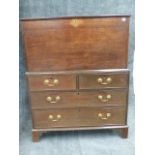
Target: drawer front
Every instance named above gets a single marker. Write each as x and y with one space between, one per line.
55 118
58 44
78 117
52 82
103 98
40 100
99 81
102 116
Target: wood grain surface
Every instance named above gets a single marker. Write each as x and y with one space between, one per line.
78 117
68 44
83 99
65 82
90 81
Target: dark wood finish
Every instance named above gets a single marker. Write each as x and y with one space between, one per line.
82 128
89 116
91 81
64 59
121 127
124 132
79 72
75 117
59 45
77 17
35 136
73 99
66 23
66 82
41 118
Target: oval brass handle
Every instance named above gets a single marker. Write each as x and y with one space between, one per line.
104 81
104 98
52 99
104 116
56 118
51 82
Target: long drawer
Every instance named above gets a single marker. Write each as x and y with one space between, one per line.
50 99
78 117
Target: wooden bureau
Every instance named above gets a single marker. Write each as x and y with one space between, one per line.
77 73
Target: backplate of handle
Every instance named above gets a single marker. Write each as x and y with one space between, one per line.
53 99
54 118
105 98
104 80
104 116
51 82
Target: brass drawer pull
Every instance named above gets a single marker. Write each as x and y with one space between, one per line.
52 99
104 116
104 98
51 82
104 81
54 119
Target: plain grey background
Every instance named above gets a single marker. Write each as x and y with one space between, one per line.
76 142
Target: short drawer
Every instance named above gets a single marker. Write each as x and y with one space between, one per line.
50 99
51 82
99 81
78 117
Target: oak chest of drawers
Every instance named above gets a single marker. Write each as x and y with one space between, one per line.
77 73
